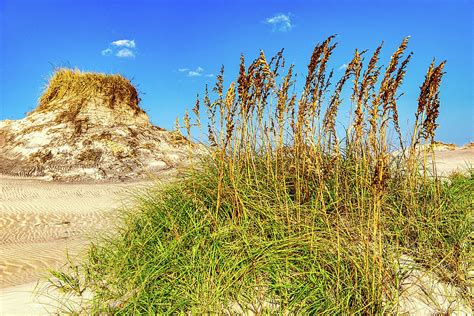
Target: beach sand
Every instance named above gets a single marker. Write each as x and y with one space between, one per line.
41 222
458 160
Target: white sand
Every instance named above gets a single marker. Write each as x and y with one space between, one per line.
459 160
21 300
40 222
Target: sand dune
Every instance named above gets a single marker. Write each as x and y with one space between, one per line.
457 160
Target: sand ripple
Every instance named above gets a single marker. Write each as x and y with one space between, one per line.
42 221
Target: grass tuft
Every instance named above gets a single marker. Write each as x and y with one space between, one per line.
76 87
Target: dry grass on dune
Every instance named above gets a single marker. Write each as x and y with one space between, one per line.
75 84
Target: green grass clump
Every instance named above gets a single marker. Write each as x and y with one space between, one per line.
284 217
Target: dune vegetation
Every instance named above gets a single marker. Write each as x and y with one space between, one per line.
285 216
76 85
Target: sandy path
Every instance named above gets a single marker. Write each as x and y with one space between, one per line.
42 221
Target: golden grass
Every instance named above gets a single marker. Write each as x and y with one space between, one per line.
78 86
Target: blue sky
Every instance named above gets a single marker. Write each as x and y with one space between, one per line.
171 49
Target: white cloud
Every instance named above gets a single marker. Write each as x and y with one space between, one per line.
280 22
124 43
343 66
123 48
106 52
125 53
210 75
193 73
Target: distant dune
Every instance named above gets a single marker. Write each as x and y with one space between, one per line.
450 158
89 126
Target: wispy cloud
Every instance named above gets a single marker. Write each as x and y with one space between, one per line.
123 48
106 52
125 53
193 73
280 22
343 66
198 72
124 43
